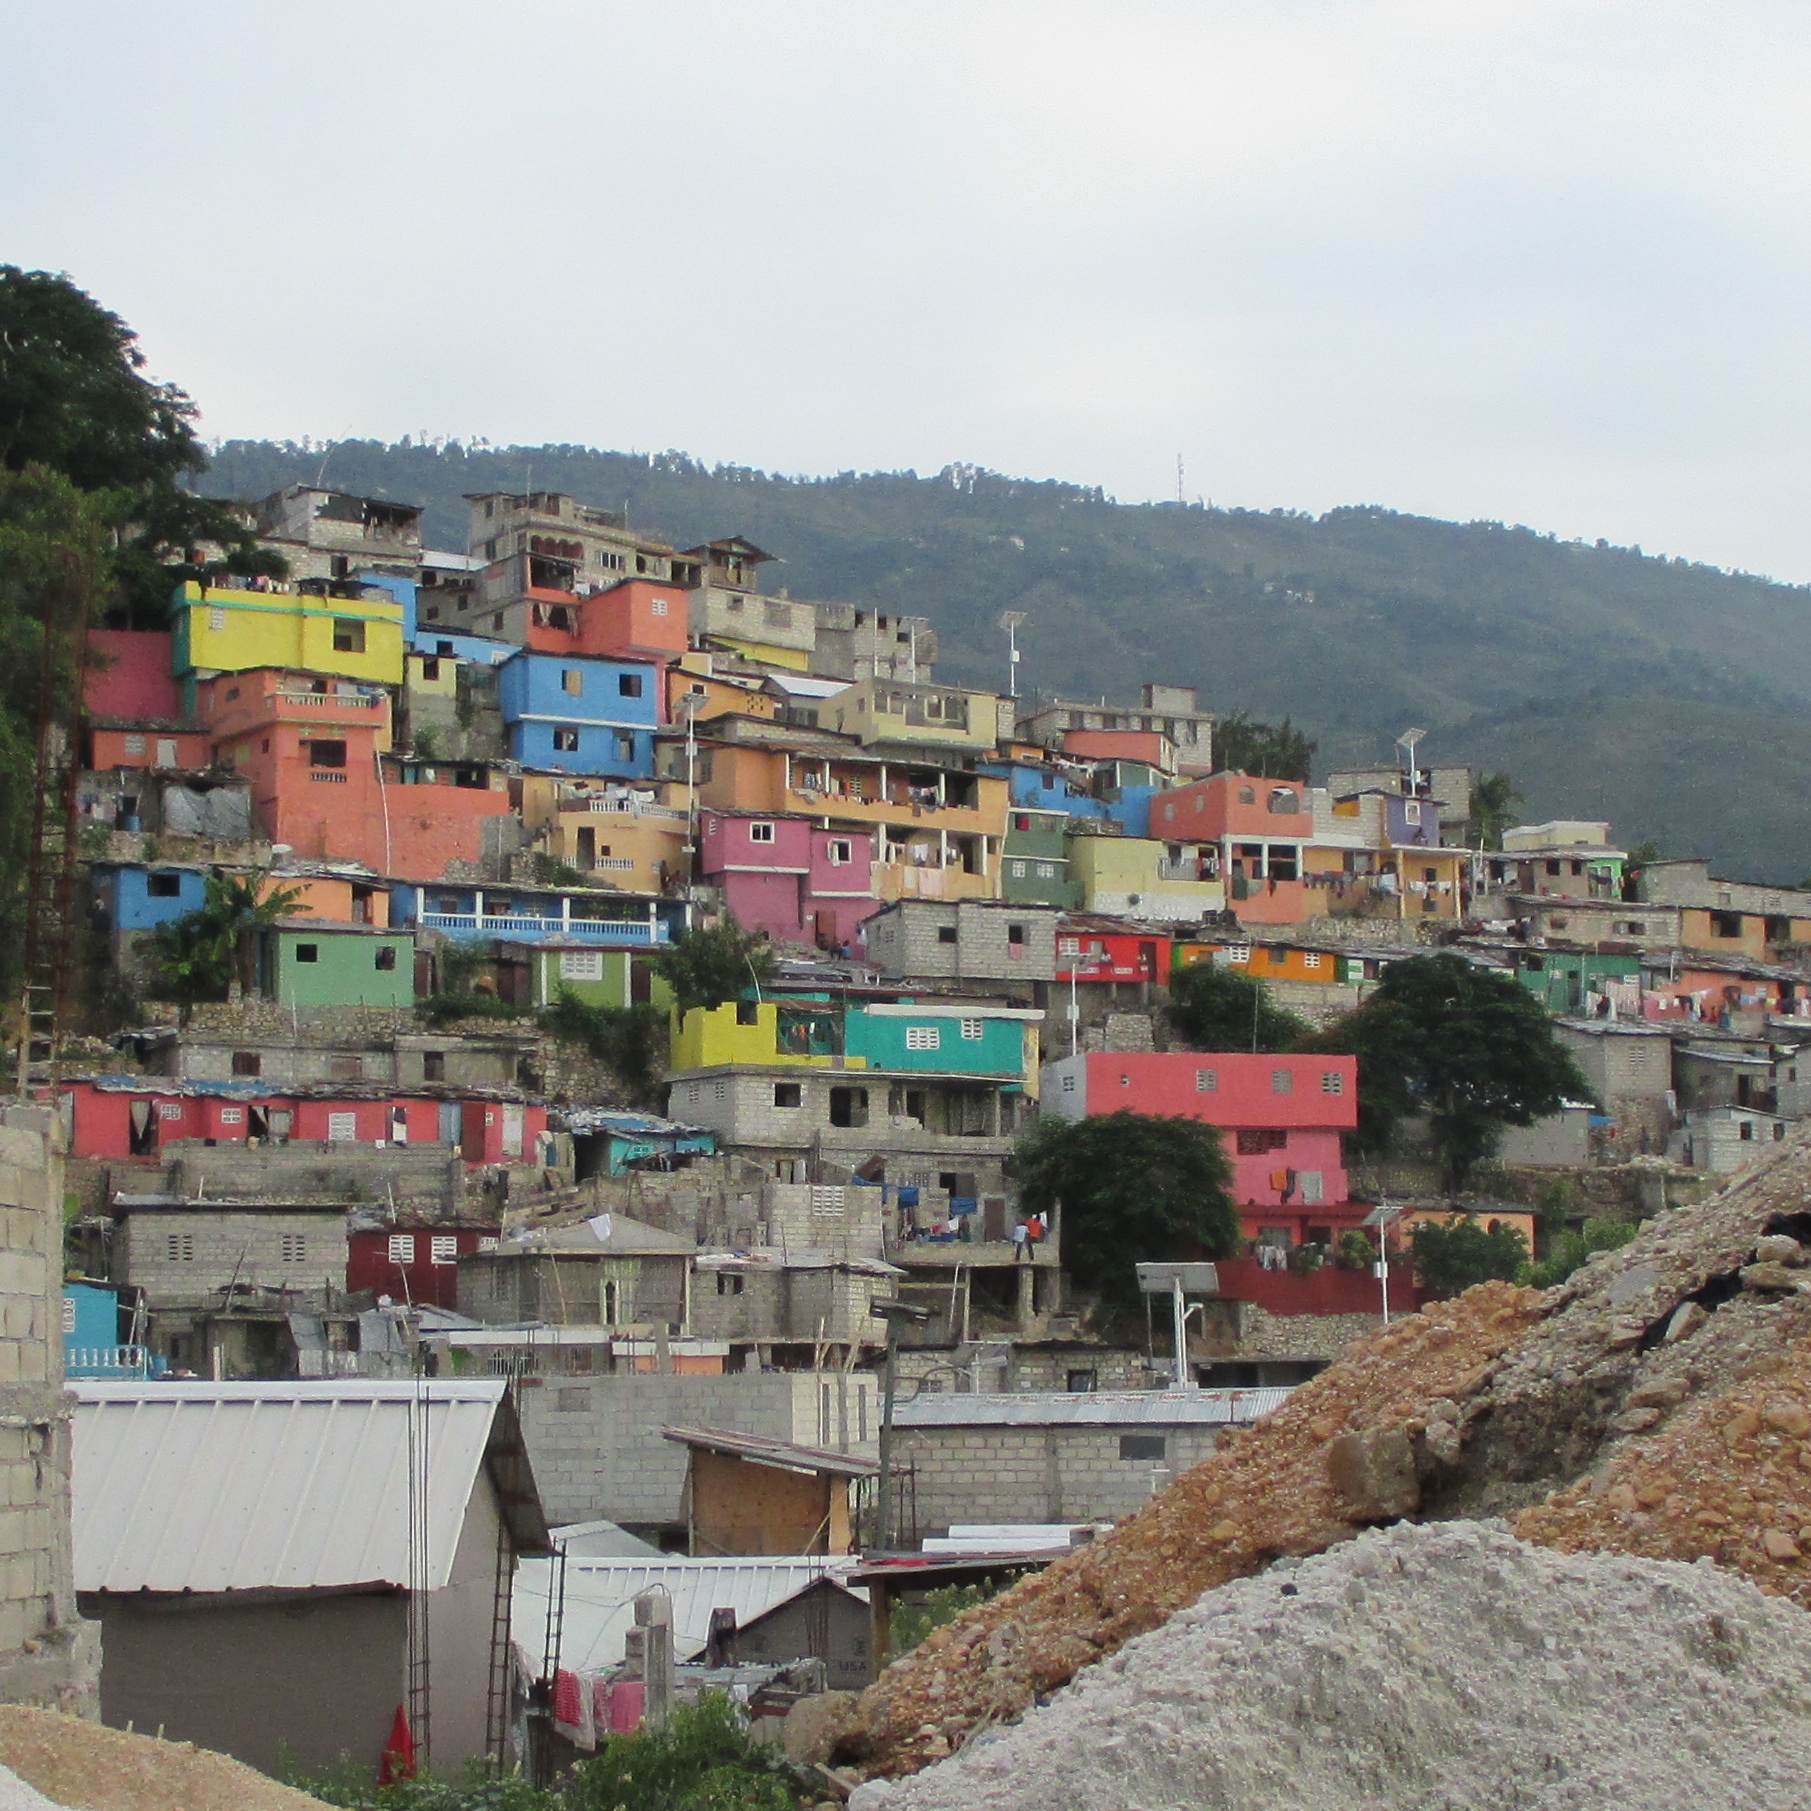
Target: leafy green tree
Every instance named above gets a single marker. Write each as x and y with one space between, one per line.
630 1041
1492 809
199 956
1216 1008
1570 1249
1450 1258
74 399
714 964
1273 751
1133 1187
1470 1048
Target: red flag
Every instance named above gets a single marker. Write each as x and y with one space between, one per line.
399 1752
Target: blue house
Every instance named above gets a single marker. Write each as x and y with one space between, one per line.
532 914
128 896
955 1039
95 1344
569 713
1046 788
455 644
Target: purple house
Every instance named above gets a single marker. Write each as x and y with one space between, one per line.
789 877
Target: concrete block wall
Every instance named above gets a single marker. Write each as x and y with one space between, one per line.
48 1654
596 1443
420 1174
298 1251
1033 1474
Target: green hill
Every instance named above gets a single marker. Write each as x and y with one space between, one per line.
1673 698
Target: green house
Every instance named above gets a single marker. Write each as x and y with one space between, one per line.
599 977
1034 862
1560 979
314 962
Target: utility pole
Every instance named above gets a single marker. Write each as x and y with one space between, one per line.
894 1313
1010 621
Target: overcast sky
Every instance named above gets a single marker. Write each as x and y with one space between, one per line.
1538 260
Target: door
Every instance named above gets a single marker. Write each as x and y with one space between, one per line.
449 1122
166 751
587 847
512 1131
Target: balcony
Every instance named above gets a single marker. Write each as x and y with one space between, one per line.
333 701
516 929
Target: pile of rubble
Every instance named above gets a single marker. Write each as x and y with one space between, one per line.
1650 1404
1447 1667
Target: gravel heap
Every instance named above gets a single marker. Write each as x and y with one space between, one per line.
89 1767
1442 1667
1267 1492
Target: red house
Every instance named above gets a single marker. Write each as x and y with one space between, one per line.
413 1261
1280 1117
1095 949
636 619
130 675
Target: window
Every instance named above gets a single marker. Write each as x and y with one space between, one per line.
788 1095
1068 946
924 1037
1726 924
841 854
1207 1081
1411 812
657 606
164 886
345 1068
386 958
430 668
247 1062
572 681
1018 870
308 952
946 933
135 745
401 1249
565 739
629 684
292 1248
1068 1084
1277 957
1255 1141
443 1248
342 1128
1142 1446
971 1031
1247 796
232 1116
326 754
1332 1082
179 1247
1311 1186
433 1065
1015 942
1125 1081
581 965
760 833
1046 870
1311 959
625 747
730 1282
348 635
848 1106
1282 1081
1082 1383
216 618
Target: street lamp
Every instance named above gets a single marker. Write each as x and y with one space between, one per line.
895 1314
1383 1217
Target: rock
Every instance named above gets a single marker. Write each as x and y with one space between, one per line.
1660 1393
1626 1332
1743 1425
1443 1443
815 1725
1769 1278
1688 1317
1620 1497
1373 1473
1788 1417
1222 1532
1443 1408
1634 1421
1779 1248
1638 1279
1779 1546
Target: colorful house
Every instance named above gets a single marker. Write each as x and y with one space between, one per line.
135 743
305 962
1281 1119
622 835
1109 951
636 619
900 714
236 631
1139 877
1034 859
573 714
595 976
535 914
790 876
412 1261
129 675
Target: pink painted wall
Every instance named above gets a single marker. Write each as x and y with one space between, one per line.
130 675
1324 1291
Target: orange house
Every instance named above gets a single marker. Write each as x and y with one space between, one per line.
635 619
141 745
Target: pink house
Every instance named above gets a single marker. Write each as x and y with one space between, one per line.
1280 1117
130 676
789 877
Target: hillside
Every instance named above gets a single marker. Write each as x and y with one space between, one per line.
1609 682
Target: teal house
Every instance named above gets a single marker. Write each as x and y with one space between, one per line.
311 962
939 1039
1560 979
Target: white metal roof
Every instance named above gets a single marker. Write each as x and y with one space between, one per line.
269 1486
601 1593
1089 1408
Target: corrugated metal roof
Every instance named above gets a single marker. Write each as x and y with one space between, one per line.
1102 1408
774 1452
269 1486
601 1593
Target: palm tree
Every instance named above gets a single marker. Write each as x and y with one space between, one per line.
1493 802
200 956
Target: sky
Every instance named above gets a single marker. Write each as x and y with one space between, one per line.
1539 261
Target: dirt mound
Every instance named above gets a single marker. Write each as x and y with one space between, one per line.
92 1768
1628 1409
1270 1491
1447 1667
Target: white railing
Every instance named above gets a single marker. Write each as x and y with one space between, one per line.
588 930
106 1361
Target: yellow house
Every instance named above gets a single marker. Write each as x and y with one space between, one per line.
927 716
238 631
793 659
753 1032
1131 877
638 847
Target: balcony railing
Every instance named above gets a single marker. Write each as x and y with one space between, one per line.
327 777
106 1361
529 930
334 701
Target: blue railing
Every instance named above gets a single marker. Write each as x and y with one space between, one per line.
532 930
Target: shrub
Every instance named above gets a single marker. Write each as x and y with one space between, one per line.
1451 1258
704 1760
1570 1250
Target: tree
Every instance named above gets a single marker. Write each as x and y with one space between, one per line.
709 966
1570 1249
1491 810
1275 752
74 399
1471 1048
1132 1187
200 955
1450 1258
1217 1008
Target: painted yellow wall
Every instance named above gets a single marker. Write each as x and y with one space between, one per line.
236 631
707 1036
